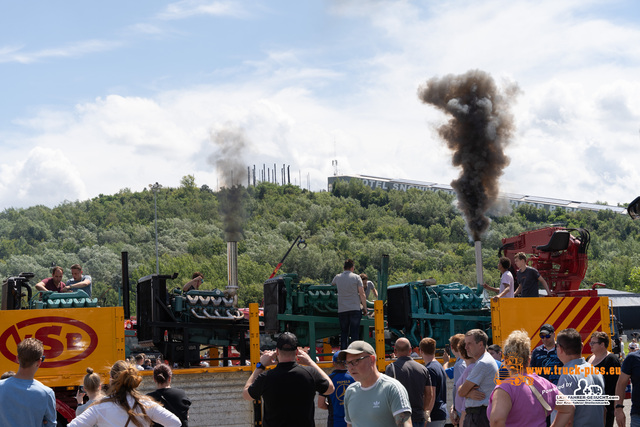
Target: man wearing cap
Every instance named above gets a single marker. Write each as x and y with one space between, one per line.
288 390
545 356
350 296
334 402
416 379
374 400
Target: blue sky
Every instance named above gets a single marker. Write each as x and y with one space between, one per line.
100 96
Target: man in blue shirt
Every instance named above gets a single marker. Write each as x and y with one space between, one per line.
27 402
545 356
334 402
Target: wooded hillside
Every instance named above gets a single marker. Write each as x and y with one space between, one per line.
422 232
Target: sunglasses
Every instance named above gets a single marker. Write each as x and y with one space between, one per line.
545 336
355 362
42 358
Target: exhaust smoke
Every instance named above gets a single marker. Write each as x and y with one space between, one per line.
480 127
229 162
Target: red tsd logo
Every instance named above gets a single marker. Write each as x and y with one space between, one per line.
53 339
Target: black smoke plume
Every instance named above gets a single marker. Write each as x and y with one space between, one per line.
481 125
229 162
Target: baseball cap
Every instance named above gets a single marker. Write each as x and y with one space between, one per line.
547 329
336 357
287 342
356 347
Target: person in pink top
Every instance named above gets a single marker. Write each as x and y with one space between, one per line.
525 399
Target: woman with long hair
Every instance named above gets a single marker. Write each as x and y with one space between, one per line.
92 388
124 405
173 399
525 398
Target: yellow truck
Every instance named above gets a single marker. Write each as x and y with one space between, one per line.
585 314
74 339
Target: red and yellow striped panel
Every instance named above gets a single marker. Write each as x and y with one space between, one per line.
585 314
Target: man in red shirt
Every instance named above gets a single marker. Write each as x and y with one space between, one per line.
53 283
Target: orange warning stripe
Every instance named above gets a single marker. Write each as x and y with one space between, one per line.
580 313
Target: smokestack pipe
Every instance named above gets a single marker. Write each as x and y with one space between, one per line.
232 271
125 285
479 279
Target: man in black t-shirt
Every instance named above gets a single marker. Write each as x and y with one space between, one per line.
438 376
528 278
288 391
630 371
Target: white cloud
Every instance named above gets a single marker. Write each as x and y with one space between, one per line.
577 118
74 49
46 176
188 8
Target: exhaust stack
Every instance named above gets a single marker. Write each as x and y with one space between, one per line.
479 278
232 271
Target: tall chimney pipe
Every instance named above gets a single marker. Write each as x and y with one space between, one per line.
478 245
232 271
126 287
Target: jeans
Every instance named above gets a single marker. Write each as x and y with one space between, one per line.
439 423
635 420
349 326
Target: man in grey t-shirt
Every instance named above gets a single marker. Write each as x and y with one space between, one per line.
579 378
79 281
481 381
374 400
350 296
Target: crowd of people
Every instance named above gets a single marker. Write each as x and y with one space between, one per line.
508 385
512 385
493 385
27 402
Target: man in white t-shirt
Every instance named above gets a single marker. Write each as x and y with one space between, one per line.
506 280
